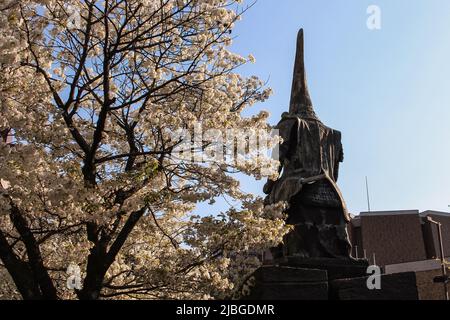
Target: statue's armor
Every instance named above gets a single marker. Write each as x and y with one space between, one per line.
320 194
309 156
309 149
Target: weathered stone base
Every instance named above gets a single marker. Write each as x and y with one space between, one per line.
334 279
399 286
288 283
336 268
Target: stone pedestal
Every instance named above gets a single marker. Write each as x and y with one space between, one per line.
336 268
333 279
289 283
399 286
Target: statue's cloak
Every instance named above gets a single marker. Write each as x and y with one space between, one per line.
310 153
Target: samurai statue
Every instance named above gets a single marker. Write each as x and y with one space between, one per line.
309 156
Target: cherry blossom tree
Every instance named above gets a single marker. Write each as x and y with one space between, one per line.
92 93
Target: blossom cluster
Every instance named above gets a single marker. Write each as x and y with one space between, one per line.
94 94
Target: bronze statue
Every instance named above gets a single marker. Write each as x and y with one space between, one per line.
309 155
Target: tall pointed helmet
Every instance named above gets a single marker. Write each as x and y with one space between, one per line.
301 104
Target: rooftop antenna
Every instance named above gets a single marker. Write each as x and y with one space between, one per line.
367 192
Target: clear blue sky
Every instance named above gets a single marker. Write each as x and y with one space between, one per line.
388 91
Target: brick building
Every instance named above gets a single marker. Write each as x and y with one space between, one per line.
400 240
404 242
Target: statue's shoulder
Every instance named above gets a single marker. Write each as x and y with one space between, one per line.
288 119
332 131
334 135
337 133
285 116
287 123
